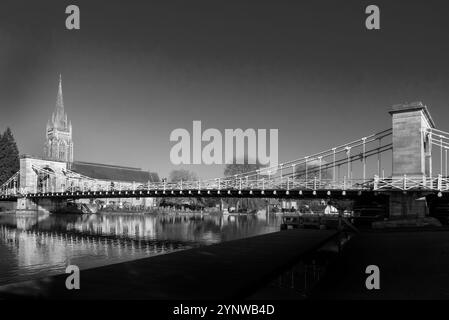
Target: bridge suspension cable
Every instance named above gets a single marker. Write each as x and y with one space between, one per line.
12 184
440 139
332 153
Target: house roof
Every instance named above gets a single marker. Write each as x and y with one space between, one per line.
113 172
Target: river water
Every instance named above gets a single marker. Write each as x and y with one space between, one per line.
34 246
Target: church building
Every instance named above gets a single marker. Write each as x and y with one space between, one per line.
59 144
58 149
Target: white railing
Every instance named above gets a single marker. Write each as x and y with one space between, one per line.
406 183
219 184
403 183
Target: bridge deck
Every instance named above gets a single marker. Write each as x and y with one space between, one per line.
231 269
231 193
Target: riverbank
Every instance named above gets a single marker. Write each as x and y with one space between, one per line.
413 261
413 264
232 269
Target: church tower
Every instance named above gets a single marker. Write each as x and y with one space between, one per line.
59 144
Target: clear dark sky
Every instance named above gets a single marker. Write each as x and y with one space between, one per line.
139 69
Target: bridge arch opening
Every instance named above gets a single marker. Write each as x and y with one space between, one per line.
46 180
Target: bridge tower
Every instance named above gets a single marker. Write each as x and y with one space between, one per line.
411 155
32 181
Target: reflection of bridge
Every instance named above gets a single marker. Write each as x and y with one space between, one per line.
349 170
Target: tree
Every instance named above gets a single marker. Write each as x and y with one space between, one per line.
245 204
315 169
234 168
182 175
9 156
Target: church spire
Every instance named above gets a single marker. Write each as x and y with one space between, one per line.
59 100
59 118
59 144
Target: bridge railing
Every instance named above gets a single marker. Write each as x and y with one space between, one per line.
230 184
405 183
216 184
261 184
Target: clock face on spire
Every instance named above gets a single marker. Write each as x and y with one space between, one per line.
59 144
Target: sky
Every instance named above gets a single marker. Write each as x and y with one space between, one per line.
137 70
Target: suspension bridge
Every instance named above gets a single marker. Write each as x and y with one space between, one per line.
405 161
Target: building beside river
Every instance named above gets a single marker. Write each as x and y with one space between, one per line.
48 172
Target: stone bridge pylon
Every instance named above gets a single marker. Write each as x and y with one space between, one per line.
411 156
40 175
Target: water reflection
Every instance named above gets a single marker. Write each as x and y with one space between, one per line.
36 246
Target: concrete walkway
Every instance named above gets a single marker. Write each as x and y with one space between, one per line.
231 269
413 265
